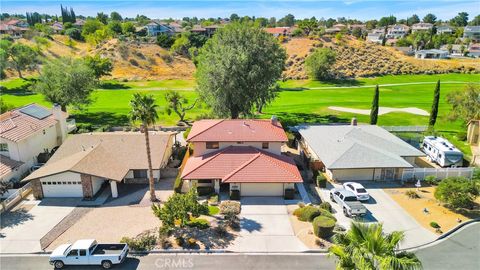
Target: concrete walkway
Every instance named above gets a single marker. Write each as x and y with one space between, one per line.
22 230
266 227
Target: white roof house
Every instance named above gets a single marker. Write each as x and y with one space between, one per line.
431 54
363 152
472 32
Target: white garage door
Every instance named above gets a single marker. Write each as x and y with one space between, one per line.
61 189
261 189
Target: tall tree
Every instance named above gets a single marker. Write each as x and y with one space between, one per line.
67 81
238 68
144 110
115 16
374 109
460 20
101 66
102 17
434 111
366 246
21 57
430 18
386 21
178 104
465 103
319 63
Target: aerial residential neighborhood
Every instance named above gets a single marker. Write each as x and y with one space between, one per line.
240 135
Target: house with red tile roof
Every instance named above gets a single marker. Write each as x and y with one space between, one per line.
240 155
25 133
279 31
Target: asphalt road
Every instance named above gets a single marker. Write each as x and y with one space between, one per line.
186 261
459 251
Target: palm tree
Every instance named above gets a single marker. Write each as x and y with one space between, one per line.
367 247
144 109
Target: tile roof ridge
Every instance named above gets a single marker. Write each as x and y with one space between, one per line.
257 155
207 160
203 131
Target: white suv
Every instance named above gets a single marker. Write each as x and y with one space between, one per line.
358 190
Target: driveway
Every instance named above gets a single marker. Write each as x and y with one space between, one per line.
24 226
383 209
265 227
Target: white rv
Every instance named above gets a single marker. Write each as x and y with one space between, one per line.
442 152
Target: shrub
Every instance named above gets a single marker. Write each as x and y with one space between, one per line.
177 186
221 230
192 242
457 192
133 62
289 194
321 180
179 240
323 226
434 225
230 208
326 205
235 195
213 210
412 194
461 136
326 213
204 191
308 213
213 199
431 180
319 63
301 204
140 243
200 223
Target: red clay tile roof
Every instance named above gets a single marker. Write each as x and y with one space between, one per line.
242 164
237 130
16 126
7 165
278 30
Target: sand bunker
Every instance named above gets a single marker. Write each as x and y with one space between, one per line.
382 110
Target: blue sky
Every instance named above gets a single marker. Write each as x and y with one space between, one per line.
359 9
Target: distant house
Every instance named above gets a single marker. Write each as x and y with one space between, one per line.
445 29
211 29
375 38
154 28
197 28
397 31
474 50
333 30
17 23
14 28
279 31
79 23
340 26
431 54
87 161
421 27
57 27
363 27
27 132
356 152
472 32
406 50
456 49
240 155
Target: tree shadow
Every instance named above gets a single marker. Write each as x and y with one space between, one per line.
345 82
250 225
113 85
100 119
292 119
14 218
21 90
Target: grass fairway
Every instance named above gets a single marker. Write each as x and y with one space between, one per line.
295 103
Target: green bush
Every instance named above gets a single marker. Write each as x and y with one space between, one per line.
434 225
326 213
323 226
213 210
204 191
140 243
289 194
321 180
458 192
200 223
326 205
412 194
432 180
192 242
213 199
461 136
308 213
235 195
319 63
177 186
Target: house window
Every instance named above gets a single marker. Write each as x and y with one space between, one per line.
265 145
213 145
239 142
3 147
140 174
204 181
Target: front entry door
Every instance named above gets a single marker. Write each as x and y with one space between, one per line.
388 174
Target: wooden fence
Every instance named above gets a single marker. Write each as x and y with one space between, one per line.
439 173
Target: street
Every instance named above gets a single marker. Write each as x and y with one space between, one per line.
190 261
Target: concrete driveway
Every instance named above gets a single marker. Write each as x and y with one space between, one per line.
23 227
265 227
383 209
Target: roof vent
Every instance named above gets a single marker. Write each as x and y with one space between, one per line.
354 121
274 119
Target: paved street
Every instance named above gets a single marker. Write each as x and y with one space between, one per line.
459 251
266 227
197 262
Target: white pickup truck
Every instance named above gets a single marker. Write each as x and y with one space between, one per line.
348 201
88 252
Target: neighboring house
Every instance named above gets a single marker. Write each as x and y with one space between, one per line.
351 152
421 27
198 29
238 154
363 27
211 29
375 38
14 28
474 50
17 23
340 26
79 23
333 30
154 28
431 54
25 133
397 31
473 132
472 32
57 27
85 162
445 29
406 50
456 49
279 31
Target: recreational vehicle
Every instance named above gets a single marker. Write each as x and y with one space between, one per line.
442 152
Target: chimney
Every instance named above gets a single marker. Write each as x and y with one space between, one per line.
354 121
62 122
274 120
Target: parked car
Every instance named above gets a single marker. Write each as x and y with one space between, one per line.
358 190
36 167
89 252
350 204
